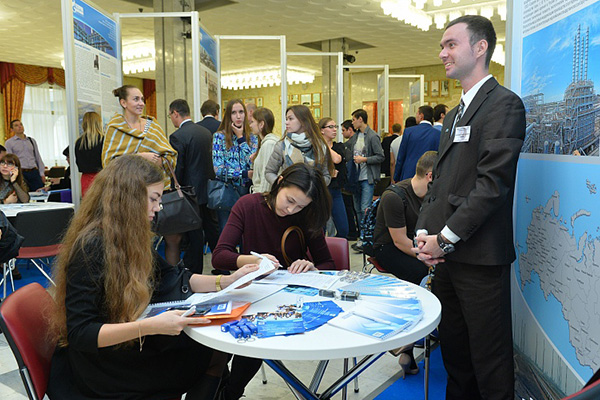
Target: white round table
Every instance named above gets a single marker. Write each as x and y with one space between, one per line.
324 343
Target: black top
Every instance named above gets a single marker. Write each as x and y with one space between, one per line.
394 213
89 160
386 144
167 366
342 177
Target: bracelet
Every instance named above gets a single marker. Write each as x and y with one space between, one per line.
218 283
142 340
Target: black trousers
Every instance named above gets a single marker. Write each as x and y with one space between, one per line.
351 214
476 330
401 265
193 257
33 180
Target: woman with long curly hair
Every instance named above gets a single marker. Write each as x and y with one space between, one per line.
233 144
302 143
106 275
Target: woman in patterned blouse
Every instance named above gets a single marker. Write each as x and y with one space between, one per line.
233 144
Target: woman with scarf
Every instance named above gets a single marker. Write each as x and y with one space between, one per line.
302 143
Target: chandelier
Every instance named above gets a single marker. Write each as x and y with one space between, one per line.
263 77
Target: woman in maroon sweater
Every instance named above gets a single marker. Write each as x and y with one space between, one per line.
258 221
299 197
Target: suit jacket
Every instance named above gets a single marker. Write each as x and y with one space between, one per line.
416 141
194 157
473 182
210 123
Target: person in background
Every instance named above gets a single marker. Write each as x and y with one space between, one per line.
416 140
410 121
262 123
233 144
135 133
60 183
26 149
2 151
250 108
210 116
106 275
194 168
88 149
439 113
368 156
348 189
299 198
337 152
302 143
394 144
13 188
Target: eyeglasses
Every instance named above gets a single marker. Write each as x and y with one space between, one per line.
331 126
7 164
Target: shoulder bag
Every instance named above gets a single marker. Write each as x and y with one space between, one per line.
284 237
180 211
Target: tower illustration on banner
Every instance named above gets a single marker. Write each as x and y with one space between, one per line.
566 126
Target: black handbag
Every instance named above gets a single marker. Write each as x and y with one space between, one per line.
180 211
222 195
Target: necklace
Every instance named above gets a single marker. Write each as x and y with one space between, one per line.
132 127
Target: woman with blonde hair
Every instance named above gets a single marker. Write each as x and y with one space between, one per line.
302 143
262 123
88 149
233 144
106 275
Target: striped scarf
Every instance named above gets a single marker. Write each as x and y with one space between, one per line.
121 139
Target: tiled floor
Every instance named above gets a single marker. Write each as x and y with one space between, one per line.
372 382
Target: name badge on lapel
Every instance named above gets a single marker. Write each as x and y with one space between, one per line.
462 134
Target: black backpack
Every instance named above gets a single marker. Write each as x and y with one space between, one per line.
10 242
368 222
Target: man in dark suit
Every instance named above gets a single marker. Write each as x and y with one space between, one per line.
194 168
210 114
466 217
416 141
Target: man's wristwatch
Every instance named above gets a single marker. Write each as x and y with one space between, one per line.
446 247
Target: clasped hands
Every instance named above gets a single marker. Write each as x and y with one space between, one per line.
428 250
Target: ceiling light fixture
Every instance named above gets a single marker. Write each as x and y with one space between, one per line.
263 77
138 56
423 13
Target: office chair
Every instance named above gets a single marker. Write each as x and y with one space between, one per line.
25 324
43 231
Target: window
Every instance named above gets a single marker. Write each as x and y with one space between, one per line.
45 119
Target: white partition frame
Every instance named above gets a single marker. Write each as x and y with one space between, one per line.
421 79
195 46
340 82
386 92
283 61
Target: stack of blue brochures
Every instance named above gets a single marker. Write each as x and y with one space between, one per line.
380 317
379 285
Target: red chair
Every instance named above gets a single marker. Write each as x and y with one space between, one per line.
43 231
338 247
374 265
589 392
24 319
